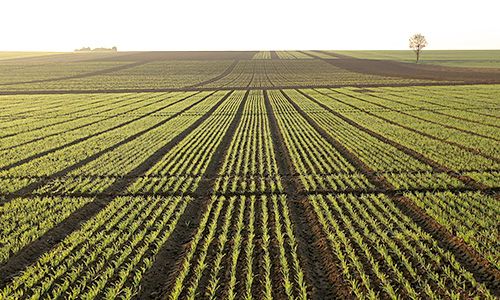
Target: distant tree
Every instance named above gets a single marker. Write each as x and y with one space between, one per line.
417 43
114 49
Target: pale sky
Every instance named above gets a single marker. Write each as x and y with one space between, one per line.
63 25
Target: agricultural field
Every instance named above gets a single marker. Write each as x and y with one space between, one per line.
18 54
246 175
450 58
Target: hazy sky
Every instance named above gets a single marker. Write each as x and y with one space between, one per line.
63 25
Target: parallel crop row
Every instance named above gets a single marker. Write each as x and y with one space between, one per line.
451 156
244 248
435 126
472 216
22 220
400 169
97 136
317 162
106 257
250 164
182 168
381 253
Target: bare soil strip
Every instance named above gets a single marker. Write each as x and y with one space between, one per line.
83 75
473 261
471 150
437 167
33 251
220 76
159 279
320 271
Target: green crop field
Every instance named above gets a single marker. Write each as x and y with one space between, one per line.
252 175
451 58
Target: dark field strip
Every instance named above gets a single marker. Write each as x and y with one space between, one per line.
475 263
33 251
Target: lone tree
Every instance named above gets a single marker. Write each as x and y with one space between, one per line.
417 43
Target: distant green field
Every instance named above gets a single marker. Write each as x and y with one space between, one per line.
22 54
454 58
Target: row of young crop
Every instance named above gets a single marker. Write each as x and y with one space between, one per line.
451 156
381 253
401 170
262 55
182 168
244 248
250 164
24 72
191 156
472 216
151 75
16 106
440 128
63 156
292 55
319 165
61 128
47 113
179 171
22 220
106 127
106 257
294 72
412 104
